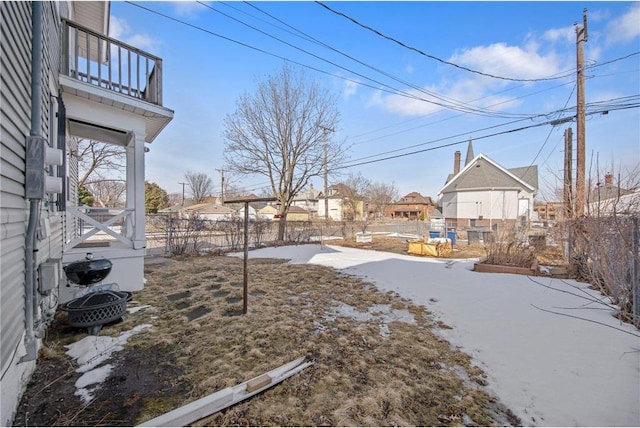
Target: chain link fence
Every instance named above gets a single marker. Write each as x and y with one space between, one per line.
173 235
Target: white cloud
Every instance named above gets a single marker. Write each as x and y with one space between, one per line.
625 28
117 27
509 61
465 91
409 69
121 30
188 9
349 90
144 42
562 35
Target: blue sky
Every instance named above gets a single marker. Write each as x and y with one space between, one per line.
204 75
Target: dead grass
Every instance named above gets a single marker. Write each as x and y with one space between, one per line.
361 376
400 246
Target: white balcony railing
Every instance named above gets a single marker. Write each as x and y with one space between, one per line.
110 223
111 64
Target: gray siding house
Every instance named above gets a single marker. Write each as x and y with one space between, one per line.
483 194
64 79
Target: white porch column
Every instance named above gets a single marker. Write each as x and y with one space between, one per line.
135 188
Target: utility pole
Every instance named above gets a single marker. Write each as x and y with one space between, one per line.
326 130
581 38
568 182
221 184
183 184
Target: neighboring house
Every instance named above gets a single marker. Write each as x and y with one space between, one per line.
208 211
298 214
342 203
267 212
485 194
607 198
173 209
413 206
548 211
294 214
252 213
308 200
60 83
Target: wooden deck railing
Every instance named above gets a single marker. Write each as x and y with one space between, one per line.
111 64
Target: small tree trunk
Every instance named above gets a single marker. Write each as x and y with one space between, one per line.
282 226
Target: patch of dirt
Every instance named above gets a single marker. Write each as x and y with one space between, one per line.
140 378
367 371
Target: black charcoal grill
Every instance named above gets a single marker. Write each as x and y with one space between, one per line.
95 308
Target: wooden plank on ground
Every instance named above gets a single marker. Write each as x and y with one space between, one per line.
227 397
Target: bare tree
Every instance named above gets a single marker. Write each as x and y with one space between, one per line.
174 199
99 161
353 193
107 193
279 133
381 196
200 185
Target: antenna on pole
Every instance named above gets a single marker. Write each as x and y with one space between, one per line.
585 35
221 184
183 184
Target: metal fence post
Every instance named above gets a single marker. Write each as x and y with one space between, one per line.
169 237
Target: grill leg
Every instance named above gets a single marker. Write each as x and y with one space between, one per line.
94 330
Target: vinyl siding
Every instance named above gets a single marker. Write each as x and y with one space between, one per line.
15 110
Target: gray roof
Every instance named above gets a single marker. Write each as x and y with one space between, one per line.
528 174
484 173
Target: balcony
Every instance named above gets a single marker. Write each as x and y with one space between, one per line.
111 93
108 63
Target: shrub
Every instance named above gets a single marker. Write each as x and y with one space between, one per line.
510 252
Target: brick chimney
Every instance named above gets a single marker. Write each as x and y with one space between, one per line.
456 162
608 179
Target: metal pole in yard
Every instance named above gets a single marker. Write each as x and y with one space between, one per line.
635 274
245 282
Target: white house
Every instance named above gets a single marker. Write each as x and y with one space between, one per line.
251 214
63 78
609 198
210 211
308 200
485 194
339 204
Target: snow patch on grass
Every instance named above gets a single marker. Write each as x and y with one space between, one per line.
90 352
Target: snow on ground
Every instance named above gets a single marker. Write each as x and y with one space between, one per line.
90 352
549 369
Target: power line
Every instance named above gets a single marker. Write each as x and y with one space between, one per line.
602 104
553 122
435 57
549 122
392 90
549 134
416 87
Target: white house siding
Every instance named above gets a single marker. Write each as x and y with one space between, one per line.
492 205
335 209
450 205
15 70
15 109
